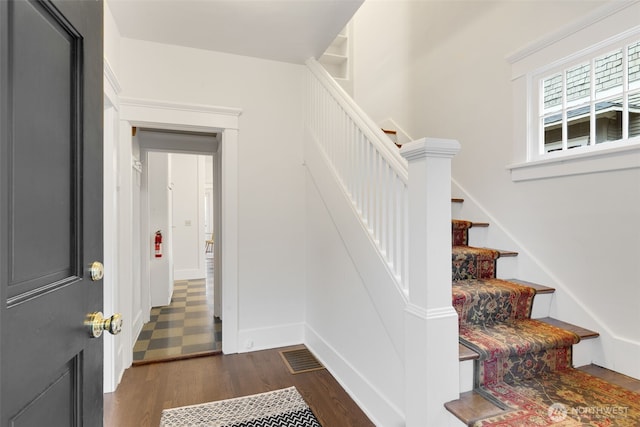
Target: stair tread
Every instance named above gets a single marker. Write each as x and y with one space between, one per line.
583 333
510 339
505 253
540 289
465 353
471 406
502 252
479 224
473 223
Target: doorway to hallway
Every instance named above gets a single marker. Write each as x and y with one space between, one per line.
175 196
122 288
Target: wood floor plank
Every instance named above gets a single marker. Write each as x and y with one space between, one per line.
613 377
146 390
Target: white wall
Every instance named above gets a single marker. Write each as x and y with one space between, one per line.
343 326
111 40
187 181
573 231
271 181
158 170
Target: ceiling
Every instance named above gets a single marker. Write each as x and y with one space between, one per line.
280 30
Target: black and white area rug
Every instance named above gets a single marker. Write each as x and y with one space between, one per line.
278 408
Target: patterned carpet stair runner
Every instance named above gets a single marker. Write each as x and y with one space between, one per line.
525 365
563 398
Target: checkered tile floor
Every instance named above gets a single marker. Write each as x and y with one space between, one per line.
184 327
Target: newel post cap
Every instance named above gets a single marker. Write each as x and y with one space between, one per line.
430 147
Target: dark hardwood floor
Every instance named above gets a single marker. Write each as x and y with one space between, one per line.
146 390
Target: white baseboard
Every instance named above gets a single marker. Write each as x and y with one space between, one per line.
623 357
270 337
189 274
380 410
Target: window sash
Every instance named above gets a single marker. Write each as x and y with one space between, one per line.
562 125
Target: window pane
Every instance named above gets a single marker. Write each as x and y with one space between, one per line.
609 120
578 126
552 87
552 133
579 83
634 66
634 115
608 74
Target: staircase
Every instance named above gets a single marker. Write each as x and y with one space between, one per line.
391 209
497 320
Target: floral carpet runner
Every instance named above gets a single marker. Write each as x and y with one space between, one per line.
564 398
279 408
525 365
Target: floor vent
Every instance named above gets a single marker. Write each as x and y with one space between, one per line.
300 360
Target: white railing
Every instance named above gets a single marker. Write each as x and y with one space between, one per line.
368 165
391 190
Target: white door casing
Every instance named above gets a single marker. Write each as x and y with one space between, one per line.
155 114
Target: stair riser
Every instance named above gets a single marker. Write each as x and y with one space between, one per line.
583 352
478 234
507 267
473 234
541 306
466 376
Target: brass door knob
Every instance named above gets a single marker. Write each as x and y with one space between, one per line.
96 271
97 323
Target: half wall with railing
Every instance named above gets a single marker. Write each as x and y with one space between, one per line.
367 164
392 210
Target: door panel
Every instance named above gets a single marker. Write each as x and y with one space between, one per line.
54 401
43 209
50 211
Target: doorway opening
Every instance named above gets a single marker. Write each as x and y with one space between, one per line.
175 219
122 290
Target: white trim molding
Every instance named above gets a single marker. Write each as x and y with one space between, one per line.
113 346
524 58
431 147
157 114
175 116
612 159
112 85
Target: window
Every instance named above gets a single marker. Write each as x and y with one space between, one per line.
576 92
592 100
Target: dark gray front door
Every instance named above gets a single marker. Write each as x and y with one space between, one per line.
50 212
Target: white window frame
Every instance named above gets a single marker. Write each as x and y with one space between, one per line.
600 32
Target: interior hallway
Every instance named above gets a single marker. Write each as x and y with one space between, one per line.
184 328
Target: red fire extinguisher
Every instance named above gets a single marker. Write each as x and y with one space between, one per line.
158 244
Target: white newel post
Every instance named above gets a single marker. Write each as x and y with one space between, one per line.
431 323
